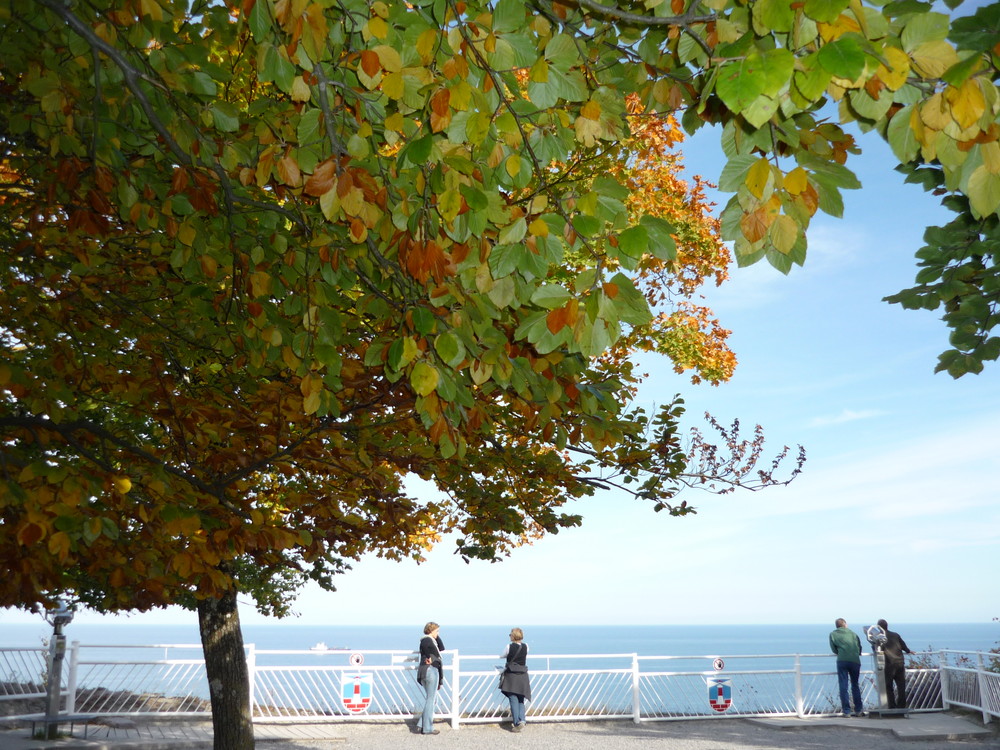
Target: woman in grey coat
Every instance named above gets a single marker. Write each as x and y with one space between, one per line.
514 682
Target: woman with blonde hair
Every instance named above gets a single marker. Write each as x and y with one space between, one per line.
514 682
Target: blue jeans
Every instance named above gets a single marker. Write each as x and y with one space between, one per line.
849 670
431 680
516 708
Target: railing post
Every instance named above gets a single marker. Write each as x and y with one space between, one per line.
74 658
943 679
800 709
636 693
456 693
981 681
252 675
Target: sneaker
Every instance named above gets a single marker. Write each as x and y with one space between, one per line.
845 715
858 714
517 727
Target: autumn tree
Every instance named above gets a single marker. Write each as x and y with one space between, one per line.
266 259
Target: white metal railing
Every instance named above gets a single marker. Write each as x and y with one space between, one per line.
969 679
301 686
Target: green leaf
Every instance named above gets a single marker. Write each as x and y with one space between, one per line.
449 348
740 82
902 140
226 117
417 152
260 20
634 241
735 172
424 378
508 15
562 51
773 15
550 296
660 234
629 304
587 226
843 58
922 28
984 192
826 11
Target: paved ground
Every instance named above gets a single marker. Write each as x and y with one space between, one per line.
936 731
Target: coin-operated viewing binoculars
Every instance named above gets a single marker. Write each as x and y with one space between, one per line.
877 637
58 618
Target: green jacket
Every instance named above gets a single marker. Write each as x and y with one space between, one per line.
845 643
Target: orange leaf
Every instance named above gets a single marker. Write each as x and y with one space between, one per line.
370 63
755 225
611 290
288 171
30 534
321 181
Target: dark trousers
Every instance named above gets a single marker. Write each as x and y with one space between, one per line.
849 672
895 685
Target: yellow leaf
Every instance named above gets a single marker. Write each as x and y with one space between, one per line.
392 85
426 43
539 71
894 76
967 103
513 165
186 234
300 90
59 545
587 130
449 204
260 284
122 484
424 378
935 113
538 228
591 110
796 181
310 404
932 59
353 201
329 204
991 160
377 28
389 57
759 178
783 233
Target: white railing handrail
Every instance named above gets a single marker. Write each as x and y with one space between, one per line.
588 689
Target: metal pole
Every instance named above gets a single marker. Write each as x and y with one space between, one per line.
636 699
800 709
981 681
74 659
58 652
456 697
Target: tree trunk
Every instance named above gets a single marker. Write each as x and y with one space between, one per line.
226 667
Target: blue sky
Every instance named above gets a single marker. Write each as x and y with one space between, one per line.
895 516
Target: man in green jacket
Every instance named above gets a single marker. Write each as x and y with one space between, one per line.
846 645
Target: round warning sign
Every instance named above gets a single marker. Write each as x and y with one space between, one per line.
719 664
357 660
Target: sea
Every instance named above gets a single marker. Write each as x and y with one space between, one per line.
644 640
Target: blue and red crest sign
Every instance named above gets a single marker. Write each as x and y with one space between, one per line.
356 692
720 693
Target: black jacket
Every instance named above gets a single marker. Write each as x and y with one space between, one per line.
430 648
514 679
